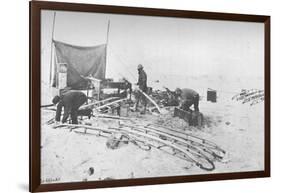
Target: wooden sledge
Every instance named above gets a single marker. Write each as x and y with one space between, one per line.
188 153
98 103
110 106
212 152
192 155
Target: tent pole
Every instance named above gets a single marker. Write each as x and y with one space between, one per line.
51 61
106 48
107 35
108 26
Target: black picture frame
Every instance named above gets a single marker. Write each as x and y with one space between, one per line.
34 99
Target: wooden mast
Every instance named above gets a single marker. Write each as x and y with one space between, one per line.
107 37
106 48
51 61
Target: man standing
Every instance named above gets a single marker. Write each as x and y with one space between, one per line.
142 83
71 101
188 97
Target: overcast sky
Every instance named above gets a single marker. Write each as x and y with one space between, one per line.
166 46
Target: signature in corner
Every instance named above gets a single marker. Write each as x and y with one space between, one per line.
48 180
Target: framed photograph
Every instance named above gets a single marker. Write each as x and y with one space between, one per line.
123 96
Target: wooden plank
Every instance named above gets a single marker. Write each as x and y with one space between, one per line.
185 115
111 103
151 100
97 102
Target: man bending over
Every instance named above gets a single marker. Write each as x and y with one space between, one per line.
187 97
70 101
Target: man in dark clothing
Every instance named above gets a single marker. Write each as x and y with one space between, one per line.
187 98
142 83
71 101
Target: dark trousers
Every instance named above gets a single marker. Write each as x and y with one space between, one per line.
141 98
74 110
188 103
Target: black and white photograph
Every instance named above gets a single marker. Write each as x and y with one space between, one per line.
133 96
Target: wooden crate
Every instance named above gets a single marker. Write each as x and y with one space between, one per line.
192 118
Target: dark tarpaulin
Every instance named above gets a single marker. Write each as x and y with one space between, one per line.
80 61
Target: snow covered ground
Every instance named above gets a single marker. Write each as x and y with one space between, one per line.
237 128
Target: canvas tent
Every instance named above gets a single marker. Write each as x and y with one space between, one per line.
80 62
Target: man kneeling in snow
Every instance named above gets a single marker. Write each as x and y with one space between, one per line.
71 101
